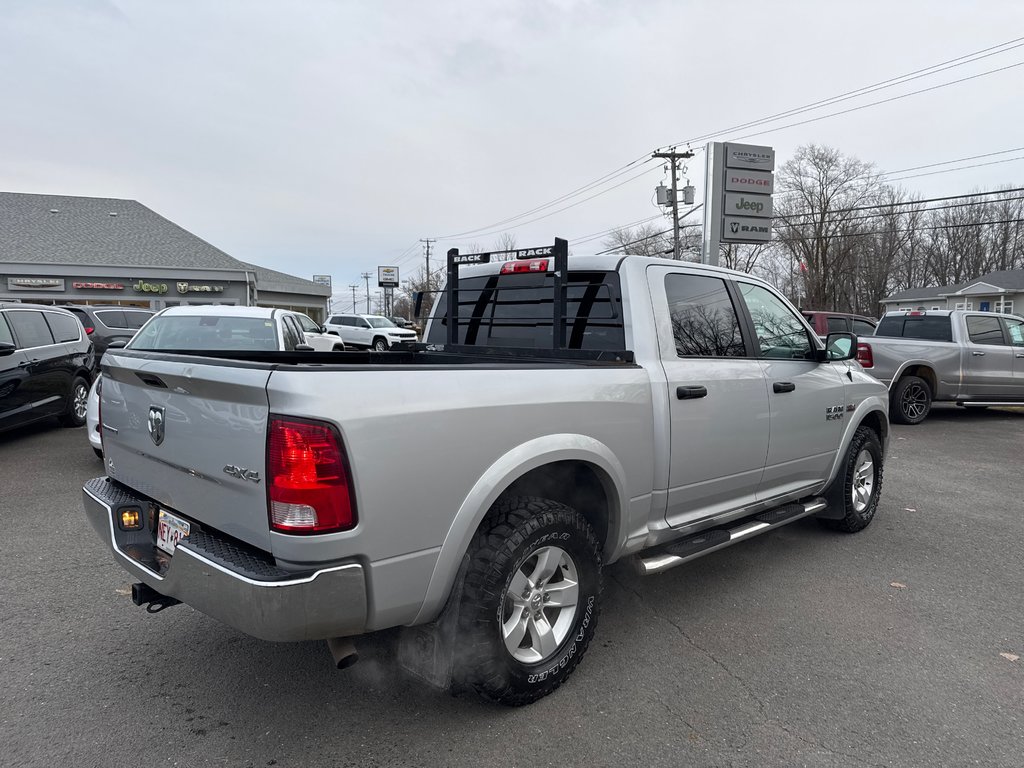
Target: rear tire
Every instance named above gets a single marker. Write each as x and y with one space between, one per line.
530 600
78 403
861 483
911 400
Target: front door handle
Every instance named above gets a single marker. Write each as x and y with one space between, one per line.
691 392
1019 354
783 386
977 353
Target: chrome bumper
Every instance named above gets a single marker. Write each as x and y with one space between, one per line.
227 583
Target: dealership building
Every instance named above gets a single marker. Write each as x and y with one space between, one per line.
56 249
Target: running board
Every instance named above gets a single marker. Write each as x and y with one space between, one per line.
997 404
699 544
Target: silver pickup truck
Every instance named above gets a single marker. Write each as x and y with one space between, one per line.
557 418
971 358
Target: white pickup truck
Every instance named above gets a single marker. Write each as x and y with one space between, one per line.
559 417
973 359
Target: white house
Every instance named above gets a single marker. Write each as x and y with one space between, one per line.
995 292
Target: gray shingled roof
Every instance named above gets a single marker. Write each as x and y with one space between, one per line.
1009 279
60 229
272 280
57 229
922 293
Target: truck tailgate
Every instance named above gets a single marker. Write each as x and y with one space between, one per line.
191 436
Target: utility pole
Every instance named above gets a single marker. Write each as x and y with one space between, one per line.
674 158
428 241
353 287
366 276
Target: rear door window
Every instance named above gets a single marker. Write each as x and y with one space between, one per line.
63 327
985 330
112 318
704 320
838 324
30 328
135 320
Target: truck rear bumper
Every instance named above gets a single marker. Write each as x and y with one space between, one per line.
241 587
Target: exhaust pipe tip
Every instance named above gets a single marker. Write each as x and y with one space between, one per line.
343 650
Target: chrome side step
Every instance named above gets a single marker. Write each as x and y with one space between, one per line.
699 544
979 403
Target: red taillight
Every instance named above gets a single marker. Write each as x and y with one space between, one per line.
864 356
99 412
308 488
527 265
89 329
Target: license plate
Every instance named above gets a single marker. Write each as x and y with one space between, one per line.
169 531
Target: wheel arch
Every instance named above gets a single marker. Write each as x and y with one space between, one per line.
546 467
919 368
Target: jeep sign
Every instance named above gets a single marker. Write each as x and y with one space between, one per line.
738 204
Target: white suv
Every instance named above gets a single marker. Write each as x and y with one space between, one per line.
370 331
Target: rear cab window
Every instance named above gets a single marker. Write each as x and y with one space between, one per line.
924 327
515 310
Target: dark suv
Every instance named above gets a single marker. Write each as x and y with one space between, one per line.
105 323
46 365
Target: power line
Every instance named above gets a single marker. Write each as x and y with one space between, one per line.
961 168
922 229
578 191
864 90
560 210
958 160
908 202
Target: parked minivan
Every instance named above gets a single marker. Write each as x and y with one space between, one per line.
46 365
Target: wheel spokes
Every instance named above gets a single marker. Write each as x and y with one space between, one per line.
564 594
548 560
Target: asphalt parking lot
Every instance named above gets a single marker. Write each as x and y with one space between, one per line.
898 646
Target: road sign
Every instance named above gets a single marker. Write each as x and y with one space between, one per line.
387 277
737 196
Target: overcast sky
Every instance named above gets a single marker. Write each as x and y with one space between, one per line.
326 137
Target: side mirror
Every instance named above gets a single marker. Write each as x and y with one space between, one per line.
6 349
323 328
117 344
839 346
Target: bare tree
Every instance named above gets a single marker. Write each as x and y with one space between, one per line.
816 219
507 242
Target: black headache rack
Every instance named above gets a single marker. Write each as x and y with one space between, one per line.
549 260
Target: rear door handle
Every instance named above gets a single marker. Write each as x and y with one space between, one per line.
783 386
977 353
691 392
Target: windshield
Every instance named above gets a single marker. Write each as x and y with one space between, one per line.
379 322
206 332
